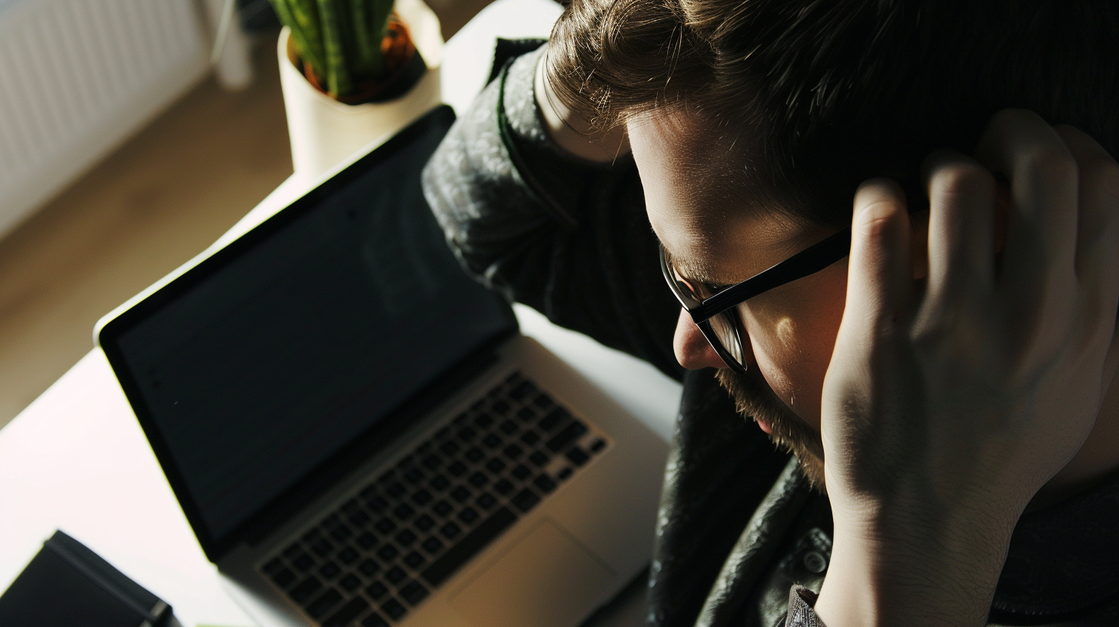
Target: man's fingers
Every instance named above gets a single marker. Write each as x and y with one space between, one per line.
1097 242
880 276
962 206
1041 228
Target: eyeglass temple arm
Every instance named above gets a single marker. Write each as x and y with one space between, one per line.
808 261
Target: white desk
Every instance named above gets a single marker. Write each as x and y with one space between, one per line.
77 460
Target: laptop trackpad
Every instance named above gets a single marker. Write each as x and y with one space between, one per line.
546 580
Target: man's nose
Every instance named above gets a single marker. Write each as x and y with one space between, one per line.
693 351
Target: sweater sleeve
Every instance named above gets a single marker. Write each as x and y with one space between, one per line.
567 237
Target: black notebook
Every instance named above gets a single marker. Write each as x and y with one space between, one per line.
67 584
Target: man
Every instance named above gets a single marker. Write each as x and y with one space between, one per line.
949 385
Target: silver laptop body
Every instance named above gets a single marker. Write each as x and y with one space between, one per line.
495 487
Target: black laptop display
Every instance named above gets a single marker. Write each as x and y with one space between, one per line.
262 372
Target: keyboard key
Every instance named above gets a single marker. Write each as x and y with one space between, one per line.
513 452
525 414
492 441
396 489
305 589
543 401
404 511
503 487
293 551
555 419
478 479
348 555
283 577
466 434
521 472
439 483
470 545
484 421
442 508
405 538
376 503
509 427
368 567
303 562
525 500
413 592
460 494
395 575
461 418
329 570
388 552
457 469
564 474
450 530
350 582
341 533
450 447
374 620
330 522
468 515
577 456
486 501
495 465
425 522
347 613
432 462
538 458
366 540
359 518
501 407
544 483
385 525
475 455
598 445
414 476
351 506
322 547
414 560
327 600
521 391
432 545
530 438
421 497
394 609
376 590
273 566
566 436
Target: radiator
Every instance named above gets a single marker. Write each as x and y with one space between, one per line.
77 78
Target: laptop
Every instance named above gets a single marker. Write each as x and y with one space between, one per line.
358 433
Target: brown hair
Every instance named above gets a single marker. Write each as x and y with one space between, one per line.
834 92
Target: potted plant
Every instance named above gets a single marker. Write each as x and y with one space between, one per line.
353 72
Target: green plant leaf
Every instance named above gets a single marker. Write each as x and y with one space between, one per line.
338 77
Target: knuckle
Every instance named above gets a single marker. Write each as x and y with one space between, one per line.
1102 175
962 179
1050 164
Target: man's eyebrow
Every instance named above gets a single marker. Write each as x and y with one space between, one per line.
697 273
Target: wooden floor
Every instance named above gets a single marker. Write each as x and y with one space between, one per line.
160 199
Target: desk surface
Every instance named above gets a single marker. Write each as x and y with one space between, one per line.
77 460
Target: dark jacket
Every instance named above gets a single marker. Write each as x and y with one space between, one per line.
740 529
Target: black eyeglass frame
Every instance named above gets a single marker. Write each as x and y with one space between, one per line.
808 261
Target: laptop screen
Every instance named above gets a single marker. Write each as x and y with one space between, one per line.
272 360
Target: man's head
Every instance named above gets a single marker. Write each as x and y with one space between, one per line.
752 122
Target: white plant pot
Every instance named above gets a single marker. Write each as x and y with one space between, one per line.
324 132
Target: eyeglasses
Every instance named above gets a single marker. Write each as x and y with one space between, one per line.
716 315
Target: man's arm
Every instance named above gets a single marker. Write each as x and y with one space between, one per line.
950 401
564 234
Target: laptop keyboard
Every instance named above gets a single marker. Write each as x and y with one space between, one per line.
380 554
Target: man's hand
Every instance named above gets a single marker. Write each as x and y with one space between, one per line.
950 401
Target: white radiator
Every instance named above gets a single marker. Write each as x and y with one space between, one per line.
77 77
